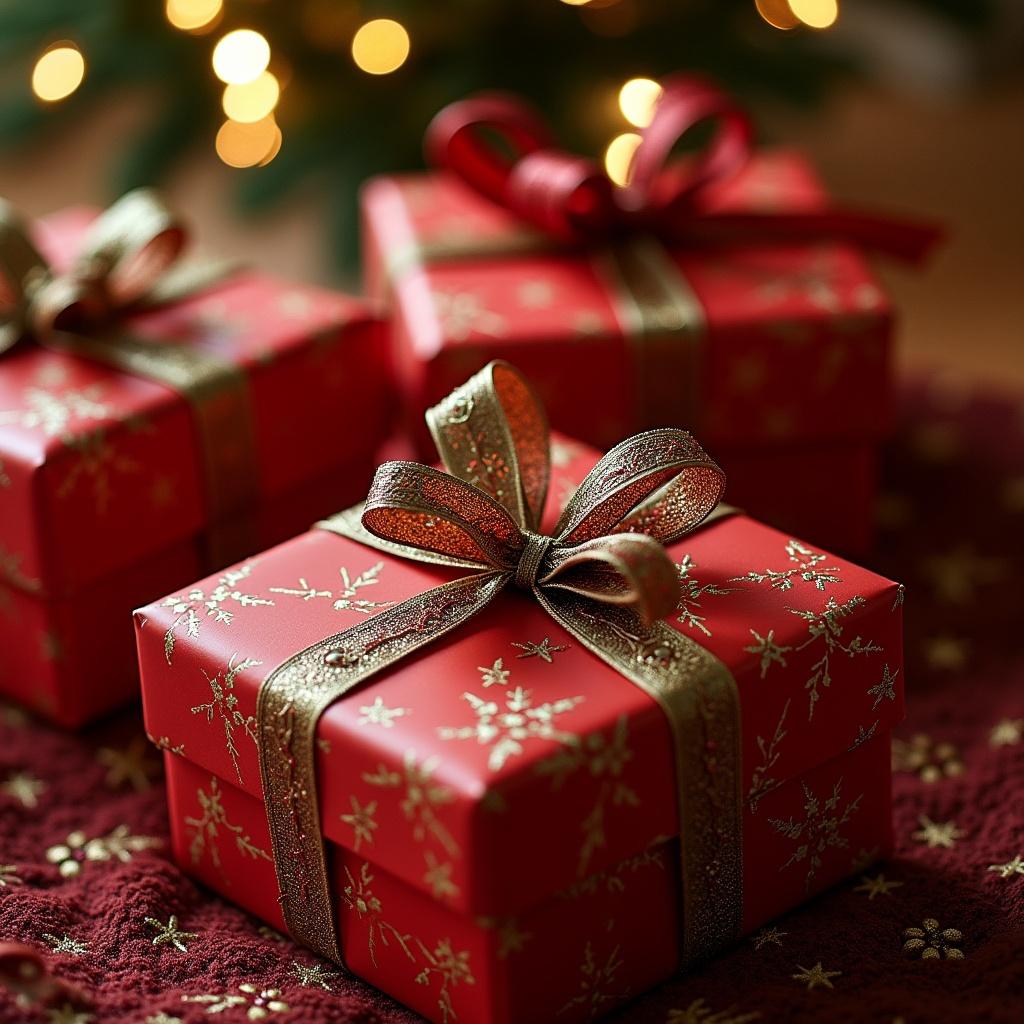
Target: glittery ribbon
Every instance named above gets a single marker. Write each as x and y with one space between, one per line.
126 263
603 575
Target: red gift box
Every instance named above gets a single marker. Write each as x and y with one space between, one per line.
499 808
776 352
105 488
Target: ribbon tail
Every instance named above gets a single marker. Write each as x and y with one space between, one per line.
292 699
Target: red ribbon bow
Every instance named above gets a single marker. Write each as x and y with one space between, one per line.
571 198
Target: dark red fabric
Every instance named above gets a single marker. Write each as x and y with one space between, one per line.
952 515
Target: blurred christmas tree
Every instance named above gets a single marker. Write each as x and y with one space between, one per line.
335 90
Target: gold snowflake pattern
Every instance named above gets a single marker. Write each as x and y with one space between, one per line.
930 942
690 595
545 650
613 879
877 886
52 412
494 675
25 788
9 876
762 780
259 1003
768 650
65 944
1011 869
1007 732
438 877
956 575
807 568
361 820
345 600
929 760
422 796
378 713
935 834
864 733
819 830
814 976
163 743
449 969
313 975
78 850
768 937
597 981
505 729
359 896
97 462
131 766
511 937
190 608
885 688
170 934
224 705
462 314
206 830
698 1012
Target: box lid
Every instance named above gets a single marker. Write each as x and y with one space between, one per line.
504 762
100 467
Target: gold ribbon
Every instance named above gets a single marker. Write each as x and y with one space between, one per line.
126 262
603 575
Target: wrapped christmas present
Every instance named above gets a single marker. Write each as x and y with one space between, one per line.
726 295
158 419
515 741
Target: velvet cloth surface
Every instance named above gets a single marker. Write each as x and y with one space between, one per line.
114 932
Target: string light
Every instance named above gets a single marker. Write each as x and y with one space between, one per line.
193 15
246 145
58 72
618 157
380 46
777 13
815 13
637 100
252 101
240 56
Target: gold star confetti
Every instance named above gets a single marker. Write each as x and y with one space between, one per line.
24 788
1010 868
935 833
877 886
496 675
66 944
67 1014
1006 732
134 766
946 653
545 650
698 1012
814 976
926 758
768 937
931 942
313 975
956 575
170 933
378 713
361 820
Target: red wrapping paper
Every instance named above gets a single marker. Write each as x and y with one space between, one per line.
470 792
102 501
794 356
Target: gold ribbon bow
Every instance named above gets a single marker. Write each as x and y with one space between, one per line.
125 263
603 575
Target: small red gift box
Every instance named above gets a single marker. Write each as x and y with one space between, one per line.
709 312
115 487
499 809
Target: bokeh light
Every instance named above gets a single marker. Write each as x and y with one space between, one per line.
380 46
246 145
777 13
618 157
637 100
815 13
240 56
58 72
193 15
252 101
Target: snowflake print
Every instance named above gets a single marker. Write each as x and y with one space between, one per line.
692 591
447 967
359 896
462 314
596 981
206 830
346 599
66 944
224 705
885 688
97 462
378 713
807 567
494 675
53 412
767 650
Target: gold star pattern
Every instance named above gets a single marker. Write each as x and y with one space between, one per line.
1010 868
698 1012
439 877
378 713
1006 732
313 975
133 766
768 937
938 834
926 758
930 942
946 653
885 688
361 820
955 576
24 788
814 976
545 650
877 886
496 675
170 934
66 944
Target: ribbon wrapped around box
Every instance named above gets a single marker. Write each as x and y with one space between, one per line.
725 294
336 711
134 425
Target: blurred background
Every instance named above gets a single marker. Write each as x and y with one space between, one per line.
262 117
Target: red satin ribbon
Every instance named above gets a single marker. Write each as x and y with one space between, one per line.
504 150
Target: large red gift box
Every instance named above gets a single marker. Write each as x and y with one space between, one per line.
104 495
499 808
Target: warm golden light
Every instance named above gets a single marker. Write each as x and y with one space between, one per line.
637 100
815 13
252 101
246 145
191 15
576 3
240 56
777 13
380 46
58 72
619 156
